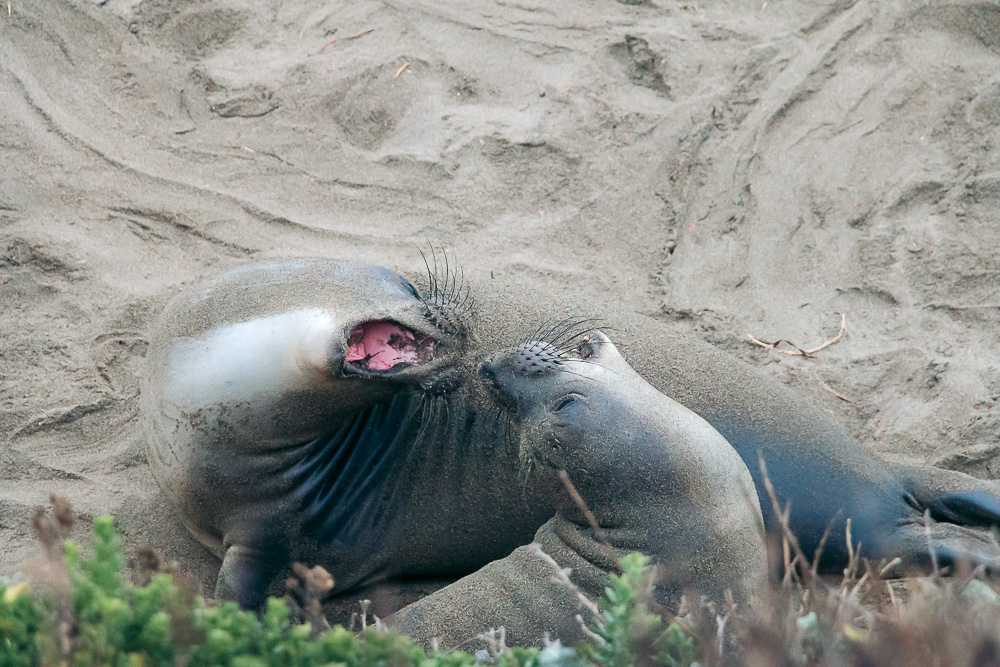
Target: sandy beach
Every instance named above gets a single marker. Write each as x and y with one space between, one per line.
732 168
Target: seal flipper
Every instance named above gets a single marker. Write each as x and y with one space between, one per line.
246 575
950 495
969 508
949 544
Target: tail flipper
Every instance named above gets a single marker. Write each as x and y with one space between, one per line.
950 495
946 545
969 508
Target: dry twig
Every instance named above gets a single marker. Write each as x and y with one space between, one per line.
831 390
591 519
306 590
798 351
561 577
888 566
400 70
335 39
930 546
790 543
590 633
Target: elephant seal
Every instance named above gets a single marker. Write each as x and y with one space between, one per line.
653 476
312 410
816 468
330 412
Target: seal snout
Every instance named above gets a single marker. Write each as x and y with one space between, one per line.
536 358
489 371
504 373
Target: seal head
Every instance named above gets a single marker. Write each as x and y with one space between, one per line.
655 476
283 403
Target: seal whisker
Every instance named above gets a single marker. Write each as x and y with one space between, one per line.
445 296
544 328
525 476
466 306
497 424
463 303
568 341
436 426
447 413
570 326
431 279
567 336
461 278
426 419
449 279
557 339
437 285
508 429
534 335
592 363
454 283
549 334
546 332
562 325
580 375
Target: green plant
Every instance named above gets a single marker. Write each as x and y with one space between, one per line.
91 614
19 624
87 612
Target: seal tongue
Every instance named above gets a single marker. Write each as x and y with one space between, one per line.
382 344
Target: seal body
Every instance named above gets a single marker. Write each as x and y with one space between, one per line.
816 467
818 471
311 410
629 470
329 412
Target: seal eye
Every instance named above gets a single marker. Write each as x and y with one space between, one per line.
565 403
411 289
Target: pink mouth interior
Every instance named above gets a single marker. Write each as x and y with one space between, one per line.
382 344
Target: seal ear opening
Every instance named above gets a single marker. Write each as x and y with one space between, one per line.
594 344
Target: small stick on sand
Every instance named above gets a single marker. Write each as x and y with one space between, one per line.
334 40
400 70
799 352
831 390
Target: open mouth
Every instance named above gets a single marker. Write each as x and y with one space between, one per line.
383 345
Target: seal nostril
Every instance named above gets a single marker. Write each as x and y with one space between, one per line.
488 371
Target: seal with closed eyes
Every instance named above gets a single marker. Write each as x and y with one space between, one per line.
653 477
